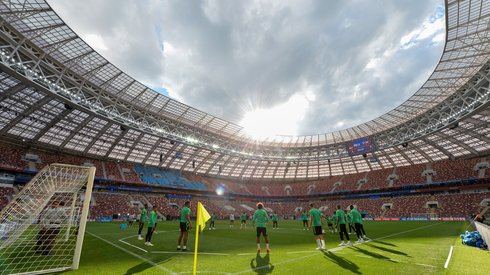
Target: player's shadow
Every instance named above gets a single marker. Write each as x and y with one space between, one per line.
372 254
344 263
261 265
388 250
385 243
145 265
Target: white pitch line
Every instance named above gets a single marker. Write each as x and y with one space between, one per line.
299 252
189 253
128 237
134 254
427 265
246 254
449 257
146 251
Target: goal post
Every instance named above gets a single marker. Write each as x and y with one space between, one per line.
42 227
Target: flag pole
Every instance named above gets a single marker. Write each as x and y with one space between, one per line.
197 237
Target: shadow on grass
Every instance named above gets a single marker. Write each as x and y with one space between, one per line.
261 265
385 243
144 265
372 254
388 250
344 263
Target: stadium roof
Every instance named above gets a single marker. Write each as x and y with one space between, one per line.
57 92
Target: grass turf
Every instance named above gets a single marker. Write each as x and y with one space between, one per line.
398 247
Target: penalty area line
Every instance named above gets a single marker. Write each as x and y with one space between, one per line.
133 254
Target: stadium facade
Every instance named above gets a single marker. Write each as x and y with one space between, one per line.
59 94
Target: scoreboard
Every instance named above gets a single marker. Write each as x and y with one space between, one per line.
361 146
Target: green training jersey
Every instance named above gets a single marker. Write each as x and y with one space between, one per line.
334 218
243 217
152 219
356 216
143 215
274 217
260 217
213 217
349 218
304 217
316 215
183 214
341 216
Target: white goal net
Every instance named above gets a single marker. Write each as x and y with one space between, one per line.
42 228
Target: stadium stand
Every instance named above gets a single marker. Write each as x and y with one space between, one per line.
11 157
447 170
109 204
411 174
5 195
154 175
377 179
128 172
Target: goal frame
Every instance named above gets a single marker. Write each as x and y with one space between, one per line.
49 183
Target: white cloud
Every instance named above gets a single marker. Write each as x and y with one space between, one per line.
433 28
96 42
281 119
342 62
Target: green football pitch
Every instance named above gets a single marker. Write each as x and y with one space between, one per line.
395 247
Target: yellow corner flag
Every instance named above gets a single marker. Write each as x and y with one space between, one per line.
202 217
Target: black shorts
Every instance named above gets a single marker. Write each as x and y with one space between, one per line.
184 227
317 230
261 230
232 221
330 224
244 221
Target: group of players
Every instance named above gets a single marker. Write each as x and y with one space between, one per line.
243 220
340 219
337 222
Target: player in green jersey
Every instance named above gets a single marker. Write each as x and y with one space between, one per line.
357 220
349 222
274 220
243 220
304 218
142 221
316 225
330 224
185 225
213 219
260 219
342 220
335 223
152 221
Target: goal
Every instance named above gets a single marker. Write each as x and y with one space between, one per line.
423 215
42 228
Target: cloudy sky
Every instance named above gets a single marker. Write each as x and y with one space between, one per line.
277 67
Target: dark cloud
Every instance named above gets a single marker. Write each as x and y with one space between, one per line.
225 57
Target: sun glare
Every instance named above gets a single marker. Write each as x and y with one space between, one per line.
282 119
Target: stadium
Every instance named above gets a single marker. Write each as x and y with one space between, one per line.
86 147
